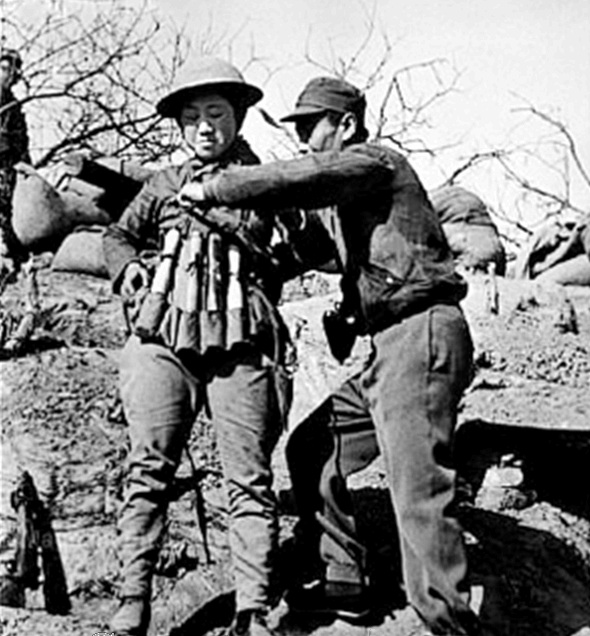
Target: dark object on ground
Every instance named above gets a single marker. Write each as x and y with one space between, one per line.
36 536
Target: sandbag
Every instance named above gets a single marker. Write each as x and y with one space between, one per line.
475 247
81 252
553 245
455 204
42 217
469 229
575 271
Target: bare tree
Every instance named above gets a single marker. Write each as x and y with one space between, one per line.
92 72
557 151
542 168
401 99
93 76
532 174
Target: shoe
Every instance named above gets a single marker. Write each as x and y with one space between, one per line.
348 601
12 591
250 623
132 618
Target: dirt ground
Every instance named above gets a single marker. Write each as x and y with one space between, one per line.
523 457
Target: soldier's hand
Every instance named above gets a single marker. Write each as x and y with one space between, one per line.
135 280
191 193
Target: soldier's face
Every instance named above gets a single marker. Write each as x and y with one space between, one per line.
208 124
319 132
7 74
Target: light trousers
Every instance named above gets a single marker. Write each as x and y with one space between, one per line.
161 400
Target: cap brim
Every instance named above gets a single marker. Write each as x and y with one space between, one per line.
169 105
303 111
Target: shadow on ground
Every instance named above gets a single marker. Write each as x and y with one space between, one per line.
531 581
554 462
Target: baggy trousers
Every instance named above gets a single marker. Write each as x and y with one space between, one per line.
403 405
161 399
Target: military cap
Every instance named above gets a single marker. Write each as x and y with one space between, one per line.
328 94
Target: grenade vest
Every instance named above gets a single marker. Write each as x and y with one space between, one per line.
215 299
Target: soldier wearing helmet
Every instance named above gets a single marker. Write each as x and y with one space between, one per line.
14 147
215 340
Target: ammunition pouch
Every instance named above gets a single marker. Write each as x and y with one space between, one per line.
341 329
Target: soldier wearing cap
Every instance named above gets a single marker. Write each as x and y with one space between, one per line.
14 147
217 343
399 286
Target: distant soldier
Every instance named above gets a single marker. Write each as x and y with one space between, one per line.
14 147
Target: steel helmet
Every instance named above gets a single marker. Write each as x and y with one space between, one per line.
210 73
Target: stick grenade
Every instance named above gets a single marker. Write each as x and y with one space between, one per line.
155 304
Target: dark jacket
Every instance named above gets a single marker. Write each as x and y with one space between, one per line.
14 138
392 249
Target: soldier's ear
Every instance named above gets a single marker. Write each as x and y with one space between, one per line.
349 126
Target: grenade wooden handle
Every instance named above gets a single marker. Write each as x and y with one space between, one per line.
163 275
155 304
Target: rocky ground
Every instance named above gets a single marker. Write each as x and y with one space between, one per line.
523 452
